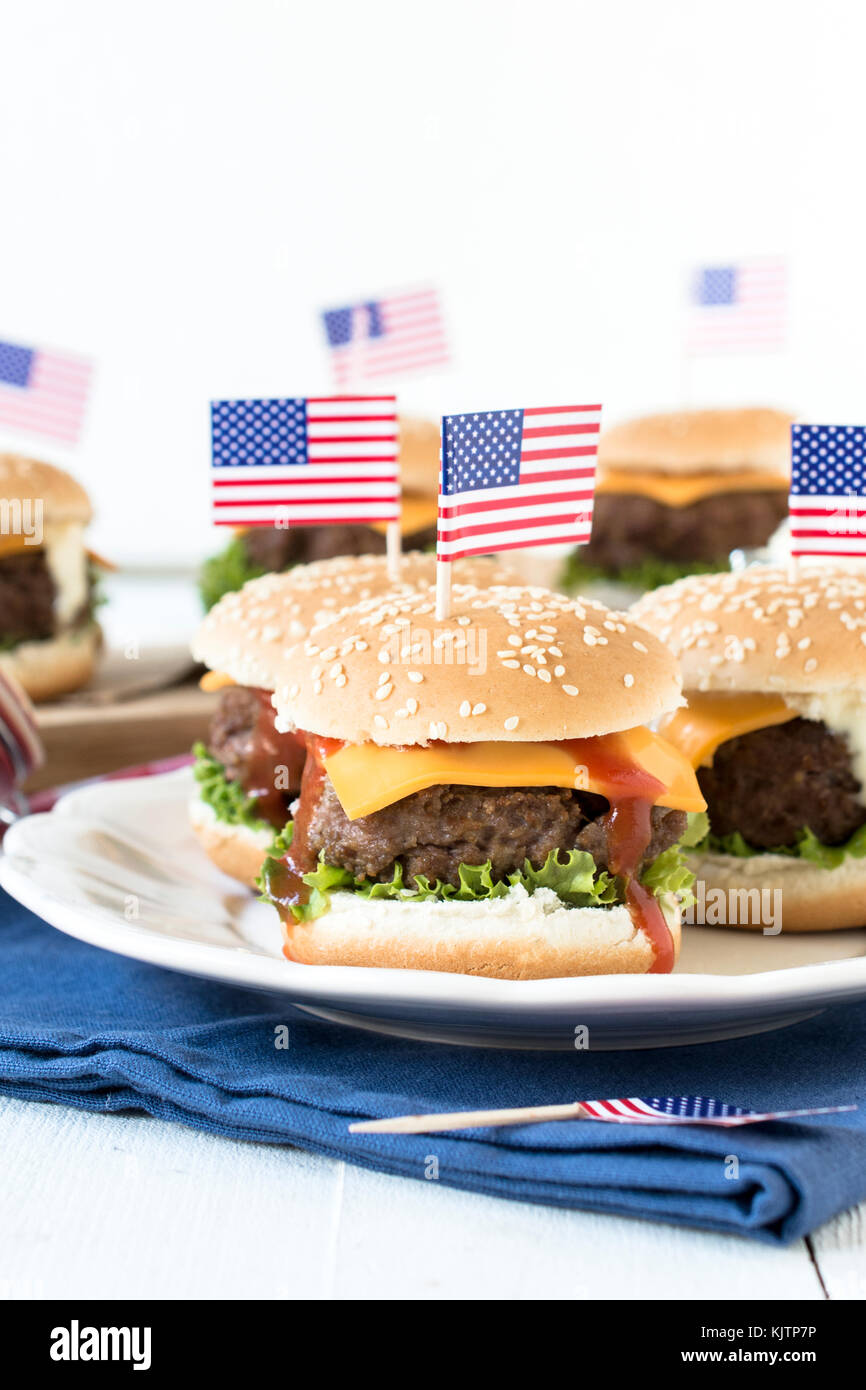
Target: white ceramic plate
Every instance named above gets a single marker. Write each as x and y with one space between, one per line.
115 849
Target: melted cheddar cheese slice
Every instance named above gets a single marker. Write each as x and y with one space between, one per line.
416 514
215 680
714 717
367 777
682 491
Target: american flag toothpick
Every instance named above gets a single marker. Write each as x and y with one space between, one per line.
43 392
647 1110
514 478
306 461
738 306
386 337
827 503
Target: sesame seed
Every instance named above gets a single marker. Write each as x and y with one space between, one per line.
571 690
530 670
383 692
380 721
465 709
412 705
341 680
628 680
512 665
384 678
480 709
543 675
415 676
511 723
559 671
639 646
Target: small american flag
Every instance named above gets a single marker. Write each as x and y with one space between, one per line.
513 478
738 308
827 502
43 392
307 461
386 337
690 1110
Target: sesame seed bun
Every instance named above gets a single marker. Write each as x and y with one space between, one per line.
250 629
28 480
812 898
238 850
419 456
509 664
518 937
54 665
700 441
759 629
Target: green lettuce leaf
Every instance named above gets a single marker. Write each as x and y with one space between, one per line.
806 846
650 573
225 572
227 799
573 876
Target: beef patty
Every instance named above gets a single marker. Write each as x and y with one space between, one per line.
433 832
243 737
27 593
771 784
627 528
271 549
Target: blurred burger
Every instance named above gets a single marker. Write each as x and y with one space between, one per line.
480 794
266 549
677 493
248 773
48 636
775 677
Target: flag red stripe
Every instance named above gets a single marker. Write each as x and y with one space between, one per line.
530 500
540 432
571 451
556 409
570 539
458 533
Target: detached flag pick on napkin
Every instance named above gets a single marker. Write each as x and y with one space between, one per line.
307 461
21 751
632 1110
512 479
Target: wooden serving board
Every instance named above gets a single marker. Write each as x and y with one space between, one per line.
137 708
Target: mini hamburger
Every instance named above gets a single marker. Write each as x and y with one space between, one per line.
480 794
248 773
268 549
677 493
774 670
48 636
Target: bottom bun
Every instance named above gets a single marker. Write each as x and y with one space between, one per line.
54 665
809 898
518 937
236 849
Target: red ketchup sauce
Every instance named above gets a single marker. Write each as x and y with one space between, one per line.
629 789
632 793
272 750
285 880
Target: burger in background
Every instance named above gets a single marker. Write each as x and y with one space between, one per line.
248 773
49 638
677 493
774 671
480 794
268 549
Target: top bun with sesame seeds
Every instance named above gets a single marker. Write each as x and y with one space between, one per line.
251 630
698 441
509 664
761 629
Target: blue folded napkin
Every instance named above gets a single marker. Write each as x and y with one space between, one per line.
86 1028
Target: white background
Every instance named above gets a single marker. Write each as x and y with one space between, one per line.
184 183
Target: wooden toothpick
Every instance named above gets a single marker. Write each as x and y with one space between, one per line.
393 550
470 1119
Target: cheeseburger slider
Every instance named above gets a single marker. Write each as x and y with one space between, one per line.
48 636
775 677
266 549
480 794
249 773
677 493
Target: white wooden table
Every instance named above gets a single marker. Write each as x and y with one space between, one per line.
101 1206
